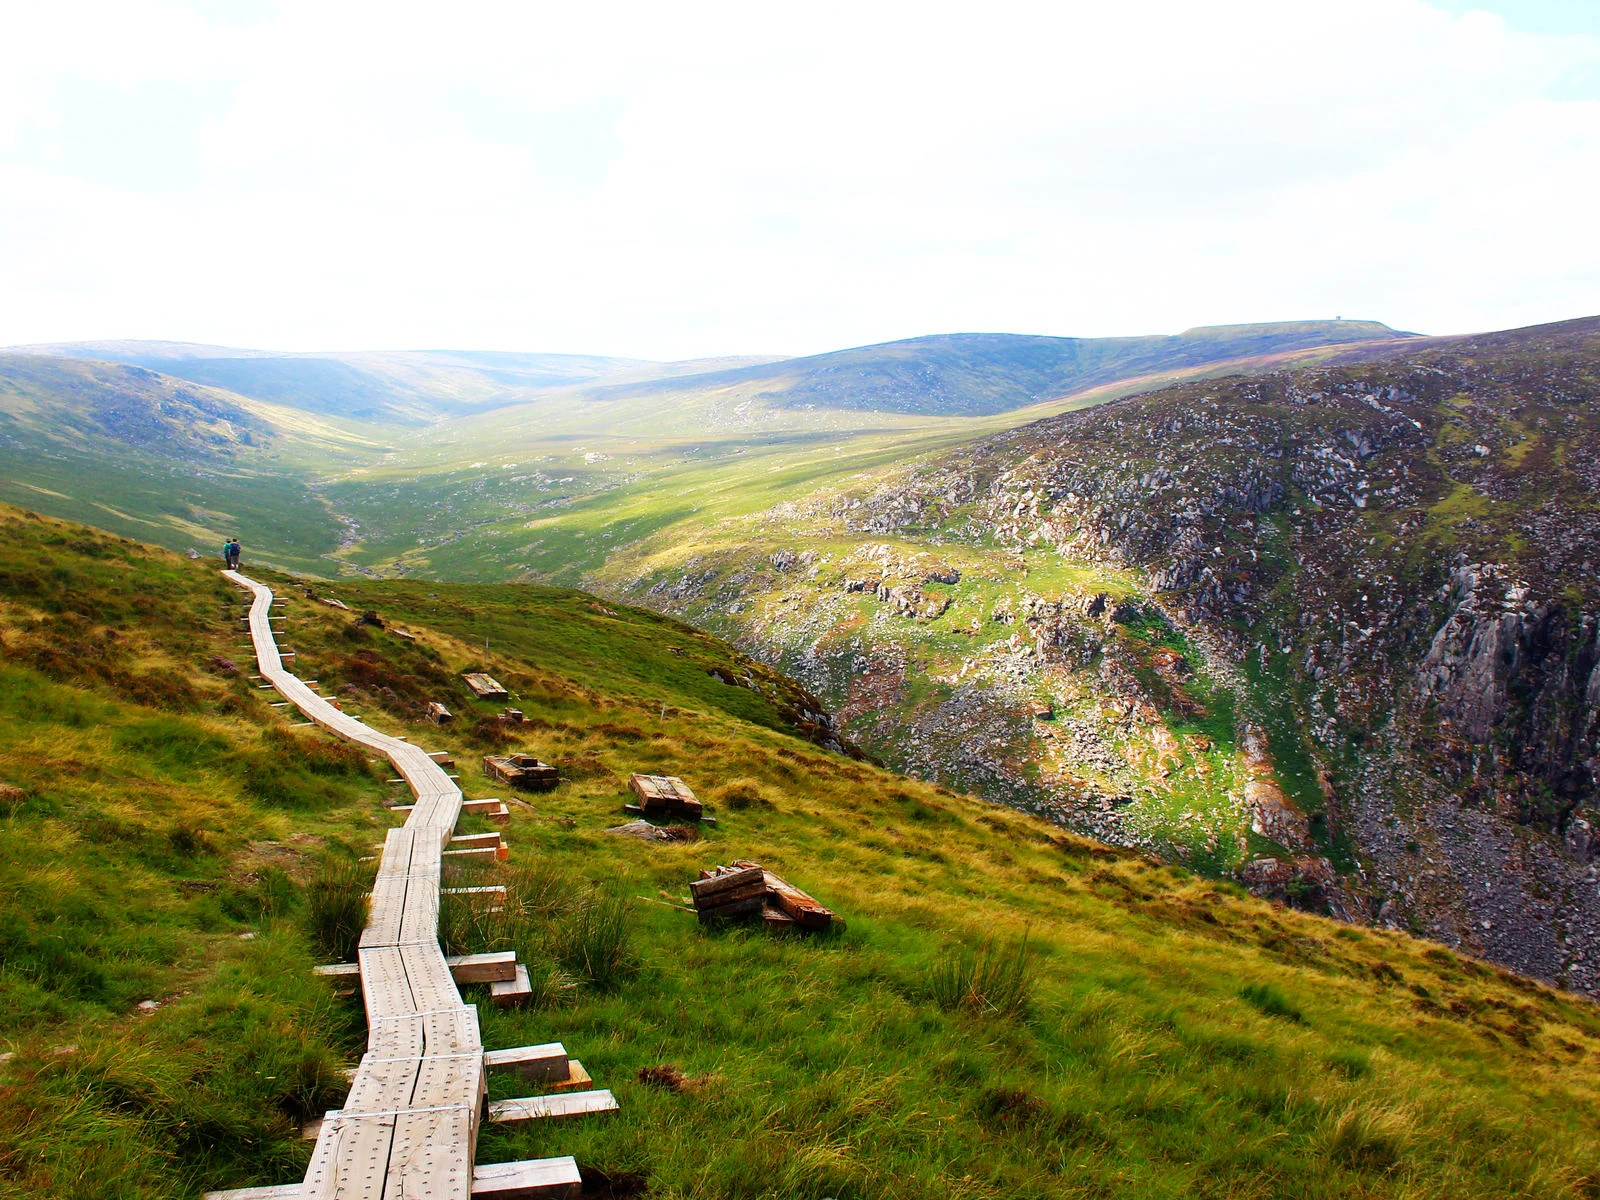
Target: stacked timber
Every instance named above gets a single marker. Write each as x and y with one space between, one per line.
664 796
522 771
484 687
439 714
745 888
512 716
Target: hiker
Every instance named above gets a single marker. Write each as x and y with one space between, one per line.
227 554
232 550
237 550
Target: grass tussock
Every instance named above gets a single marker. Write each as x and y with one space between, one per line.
996 979
1270 1001
337 907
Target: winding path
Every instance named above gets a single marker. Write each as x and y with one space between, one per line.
409 1128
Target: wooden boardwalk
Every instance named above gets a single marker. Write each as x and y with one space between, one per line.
409 1126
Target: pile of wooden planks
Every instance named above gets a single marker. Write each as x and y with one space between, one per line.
522 771
438 713
484 687
744 888
664 796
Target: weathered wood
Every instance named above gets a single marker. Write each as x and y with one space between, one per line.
485 687
803 908
666 793
483 968
537 1108
738 908
709 884
439 714
530 1179
521 771
542 1064
512 992
338 970
281 1191
442 757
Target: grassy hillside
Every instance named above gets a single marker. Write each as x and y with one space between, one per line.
1162 1035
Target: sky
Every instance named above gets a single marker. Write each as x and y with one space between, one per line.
675 181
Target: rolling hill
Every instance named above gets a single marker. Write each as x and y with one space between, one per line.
1011 1011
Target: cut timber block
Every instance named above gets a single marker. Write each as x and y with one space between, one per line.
537 1108
576 1078
281 1191
542 1064
439 714
338 970
497 967
530 1179
485 687
474 854
442 757
508 993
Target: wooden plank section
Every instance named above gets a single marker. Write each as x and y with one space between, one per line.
537 1108
485 687
438 713
510 993
484 968
475 854
542 1064
530 1179
337 970
281 1191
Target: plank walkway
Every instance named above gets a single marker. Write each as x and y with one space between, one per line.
409 1127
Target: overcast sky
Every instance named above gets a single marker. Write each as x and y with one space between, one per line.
677 180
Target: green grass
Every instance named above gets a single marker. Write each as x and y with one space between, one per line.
158 809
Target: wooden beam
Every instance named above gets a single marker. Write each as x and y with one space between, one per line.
512 992
537 1108
498 967
281 1191
530 1179
542 1064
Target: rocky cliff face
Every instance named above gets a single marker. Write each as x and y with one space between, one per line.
1336 631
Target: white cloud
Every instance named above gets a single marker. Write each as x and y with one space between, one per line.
662 181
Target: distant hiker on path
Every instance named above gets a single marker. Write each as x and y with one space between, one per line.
230 553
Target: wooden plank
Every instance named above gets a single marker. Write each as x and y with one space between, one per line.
469 841
727 880
484 968
538 1108
544 1064
475 854
280 1191
512 992
530 1179
485 807
485 687
337 970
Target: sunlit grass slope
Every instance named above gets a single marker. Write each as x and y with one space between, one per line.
1172 1037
